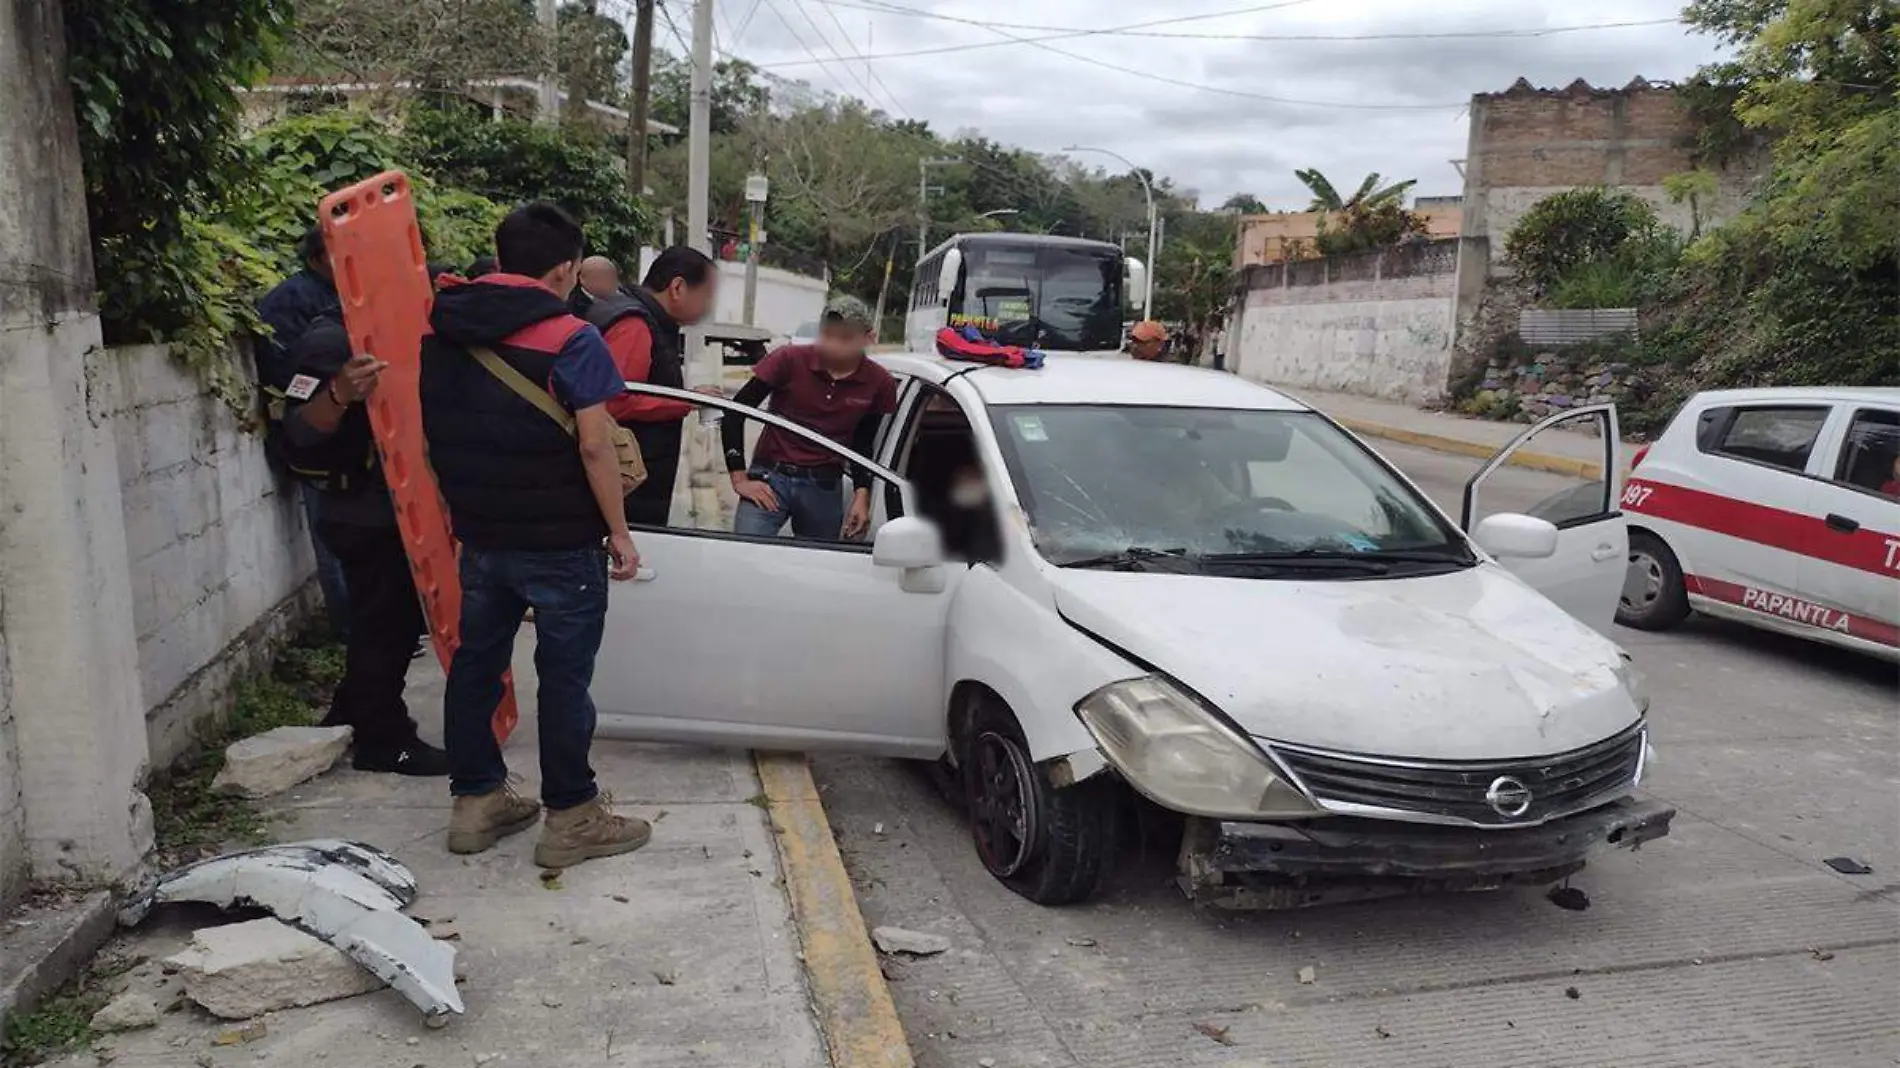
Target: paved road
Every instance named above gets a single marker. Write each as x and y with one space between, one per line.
1727 944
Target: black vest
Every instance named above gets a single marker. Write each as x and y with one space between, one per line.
659 442
512 477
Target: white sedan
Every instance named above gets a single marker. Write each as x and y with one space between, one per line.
1187 592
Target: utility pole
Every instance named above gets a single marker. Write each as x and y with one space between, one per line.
642 97
705 471
756 187
924 189
890 260
549 17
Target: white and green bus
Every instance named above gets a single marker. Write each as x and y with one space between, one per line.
1061 294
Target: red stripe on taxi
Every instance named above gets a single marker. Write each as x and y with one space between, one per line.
1794 609
1805 535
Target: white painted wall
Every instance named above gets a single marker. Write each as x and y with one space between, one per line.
219 556
786 301
1387 338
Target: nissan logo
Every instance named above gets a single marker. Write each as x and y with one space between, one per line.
1508 797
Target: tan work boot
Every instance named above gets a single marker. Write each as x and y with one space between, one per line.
588 832
479 821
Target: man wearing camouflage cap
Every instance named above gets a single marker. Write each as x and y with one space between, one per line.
831 388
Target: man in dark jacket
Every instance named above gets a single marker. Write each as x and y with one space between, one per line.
642 329
327 440
532 501
288 310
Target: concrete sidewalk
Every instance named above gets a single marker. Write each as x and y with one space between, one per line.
687 952
1561 452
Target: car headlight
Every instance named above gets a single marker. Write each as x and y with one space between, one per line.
1173 750
1634 683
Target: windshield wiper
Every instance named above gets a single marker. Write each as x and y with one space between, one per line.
1377 561
1137 558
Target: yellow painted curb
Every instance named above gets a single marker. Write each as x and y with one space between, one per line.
1536 461
848 991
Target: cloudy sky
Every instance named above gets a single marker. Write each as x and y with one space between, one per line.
1217 111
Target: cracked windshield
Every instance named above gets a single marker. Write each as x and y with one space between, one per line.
1214 483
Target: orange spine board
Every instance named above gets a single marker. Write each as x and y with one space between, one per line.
375 249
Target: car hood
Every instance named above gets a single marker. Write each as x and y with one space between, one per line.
1471 665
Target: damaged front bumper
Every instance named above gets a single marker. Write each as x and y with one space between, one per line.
1294 865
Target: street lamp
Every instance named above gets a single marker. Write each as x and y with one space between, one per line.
994 212
1147 298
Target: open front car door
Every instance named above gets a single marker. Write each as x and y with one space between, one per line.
1573 482
778 641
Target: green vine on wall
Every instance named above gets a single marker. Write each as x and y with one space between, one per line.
154 92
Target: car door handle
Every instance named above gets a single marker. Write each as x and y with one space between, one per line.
1841 523
1603 552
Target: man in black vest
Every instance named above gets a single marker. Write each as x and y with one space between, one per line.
531 501
328 446
643 333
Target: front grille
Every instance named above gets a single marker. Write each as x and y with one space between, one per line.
1456 791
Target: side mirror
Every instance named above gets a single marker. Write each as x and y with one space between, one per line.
947 274
1137 281
1523 537
909 542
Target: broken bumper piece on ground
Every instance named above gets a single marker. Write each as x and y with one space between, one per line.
1325 861
346 893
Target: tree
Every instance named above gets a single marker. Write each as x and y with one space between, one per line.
1803 286
736 92
431 42
1369 195
588 58
1243 204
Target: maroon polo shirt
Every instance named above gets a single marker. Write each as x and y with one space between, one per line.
805 393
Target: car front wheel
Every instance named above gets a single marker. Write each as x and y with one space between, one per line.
1654 597
1054 846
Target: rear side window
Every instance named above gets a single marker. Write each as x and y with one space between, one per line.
1870 458
1777 436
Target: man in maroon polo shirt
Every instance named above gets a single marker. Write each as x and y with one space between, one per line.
831 388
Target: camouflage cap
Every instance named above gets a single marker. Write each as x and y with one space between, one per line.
848 311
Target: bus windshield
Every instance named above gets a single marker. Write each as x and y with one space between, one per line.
1065 299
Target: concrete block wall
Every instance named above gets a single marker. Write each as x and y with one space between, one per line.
219 557
1378 325
1528 143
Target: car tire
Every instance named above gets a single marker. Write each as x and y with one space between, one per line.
1054 846
1661 599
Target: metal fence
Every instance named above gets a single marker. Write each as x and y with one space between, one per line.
1555 327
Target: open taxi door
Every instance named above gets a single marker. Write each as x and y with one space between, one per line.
375 250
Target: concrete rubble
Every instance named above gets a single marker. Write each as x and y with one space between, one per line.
127 1012
278 759
902 940
244 970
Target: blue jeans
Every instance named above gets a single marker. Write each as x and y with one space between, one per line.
336 595
568 592
815 507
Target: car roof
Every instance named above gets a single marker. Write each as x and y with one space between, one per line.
1071 378
1849 394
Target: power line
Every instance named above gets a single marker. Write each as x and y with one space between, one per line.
868 69
870 96
772 5
1149 75
1139 29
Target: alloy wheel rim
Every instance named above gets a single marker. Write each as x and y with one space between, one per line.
1002 805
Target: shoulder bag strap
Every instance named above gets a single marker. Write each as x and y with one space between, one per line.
527 390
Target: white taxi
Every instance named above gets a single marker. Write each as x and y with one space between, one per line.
1177 585
1779 508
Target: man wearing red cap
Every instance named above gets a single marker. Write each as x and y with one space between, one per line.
1147 339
